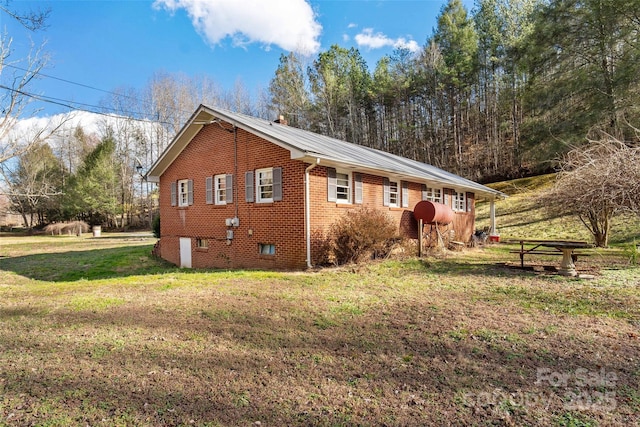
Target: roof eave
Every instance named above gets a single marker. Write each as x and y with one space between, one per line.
310 157
179 142
206 115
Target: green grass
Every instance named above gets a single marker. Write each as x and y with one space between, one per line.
98 332
520 216
67 258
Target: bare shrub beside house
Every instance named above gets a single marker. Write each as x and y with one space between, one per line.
363 234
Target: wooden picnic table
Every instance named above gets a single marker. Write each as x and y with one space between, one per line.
565 247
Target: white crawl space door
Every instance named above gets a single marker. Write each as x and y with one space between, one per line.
185 252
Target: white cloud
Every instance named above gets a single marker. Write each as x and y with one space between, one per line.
290 24
378 40
66 123
91 123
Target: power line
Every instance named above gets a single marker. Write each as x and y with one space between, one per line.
71 82
119 95
79 106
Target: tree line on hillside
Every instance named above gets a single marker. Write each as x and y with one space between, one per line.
496 93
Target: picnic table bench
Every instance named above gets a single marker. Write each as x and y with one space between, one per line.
566 248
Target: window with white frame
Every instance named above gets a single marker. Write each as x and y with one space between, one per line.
183 192
459 201
343 187
433 194
394 195
264 185
220 189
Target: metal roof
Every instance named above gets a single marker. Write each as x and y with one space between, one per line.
312 147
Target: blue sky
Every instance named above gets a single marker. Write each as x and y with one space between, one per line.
114 44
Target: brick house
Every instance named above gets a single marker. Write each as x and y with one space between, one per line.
242 192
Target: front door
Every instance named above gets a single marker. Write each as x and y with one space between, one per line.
185 252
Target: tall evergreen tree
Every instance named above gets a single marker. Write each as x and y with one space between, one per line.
585 61
92 193
457 40
288 90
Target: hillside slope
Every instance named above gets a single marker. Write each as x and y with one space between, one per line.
520 215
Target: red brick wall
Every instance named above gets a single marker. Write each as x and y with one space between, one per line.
280 223
324 213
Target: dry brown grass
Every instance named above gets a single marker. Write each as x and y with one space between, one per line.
452 341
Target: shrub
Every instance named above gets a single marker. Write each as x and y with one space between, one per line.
362 234
73 227
321 248
155 226
632 252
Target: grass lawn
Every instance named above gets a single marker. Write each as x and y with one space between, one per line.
521 216
97 332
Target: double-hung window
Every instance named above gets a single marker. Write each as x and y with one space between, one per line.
459 201
394 195
391 195
264 185
339 186
184 191
343 187
432 194
220 189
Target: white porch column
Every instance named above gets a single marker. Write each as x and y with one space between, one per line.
492 216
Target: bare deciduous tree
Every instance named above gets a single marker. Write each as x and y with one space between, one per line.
15 78
32 20
597 183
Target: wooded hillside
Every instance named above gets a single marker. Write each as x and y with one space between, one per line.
493 93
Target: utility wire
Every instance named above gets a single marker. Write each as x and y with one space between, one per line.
69 81
75 106
119 95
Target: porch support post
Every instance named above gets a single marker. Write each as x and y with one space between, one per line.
492 216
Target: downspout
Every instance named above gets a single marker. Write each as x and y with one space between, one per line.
235 169
307 210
